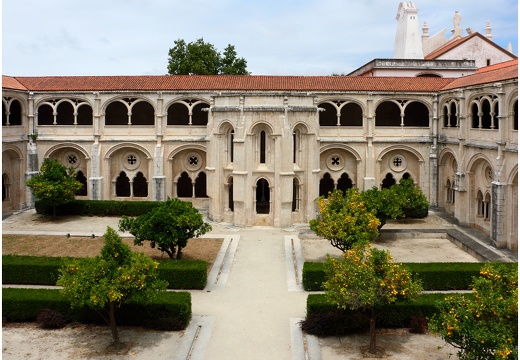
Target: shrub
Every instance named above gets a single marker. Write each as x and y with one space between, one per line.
99 208
184 274
414 203
51 319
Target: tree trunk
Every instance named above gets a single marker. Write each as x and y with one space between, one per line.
113 327
372 348
179 253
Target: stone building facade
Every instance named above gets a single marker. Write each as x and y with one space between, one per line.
259 150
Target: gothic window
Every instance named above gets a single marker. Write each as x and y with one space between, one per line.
231 147
184 186
451 115
142 114
45 115
83 180
475 121
12 115
416 114
262 197
231 203
262 147
515 116
448 191
388 113
116 114
351 115
178 114
296 195
388 181
328 115
84 115
65 114
200 186
487 204
140 185
326 185
407 176
199 115
486 115
494 119
480 204
5 187
122 185
344 183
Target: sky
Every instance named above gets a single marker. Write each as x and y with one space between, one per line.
276 37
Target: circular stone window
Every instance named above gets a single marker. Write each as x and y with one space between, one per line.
193 161
488 174
398 163
131 160
72 159
335 162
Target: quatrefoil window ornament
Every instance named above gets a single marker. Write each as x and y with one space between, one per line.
193 161
72 159
335 162
398 163
131 160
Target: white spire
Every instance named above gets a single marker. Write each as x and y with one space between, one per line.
408 39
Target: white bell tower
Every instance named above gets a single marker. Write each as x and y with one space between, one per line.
408 39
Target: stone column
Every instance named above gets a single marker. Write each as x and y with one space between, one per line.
96 180
498 214
434 165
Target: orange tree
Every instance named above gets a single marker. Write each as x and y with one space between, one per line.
110 279
55 184
366 279
486 326
345 220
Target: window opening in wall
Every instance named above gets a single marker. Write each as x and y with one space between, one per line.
231 145
122 185
388 181
448 191
407 176
326 185
487 203
262 197
65 114
116 113
140 185
200 185
480 204
83 180
515 116
388 113
262 147
296 195
184 186
45 115
5 187
344 183
231 203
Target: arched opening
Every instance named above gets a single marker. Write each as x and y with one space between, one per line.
448 191
388 181
329 115
4 115
326 185
262 147
143 114
200 185
178 114
15 113
262 197
495 124
184 186
487 206
486 114
515 116
140 185
475 121
344 183
388 113
351 115
45 115
5 187
116 114
65 114
122 185
416 114
83 180
231 203
199 115
407 176
231 145
480 204
84 115
296 195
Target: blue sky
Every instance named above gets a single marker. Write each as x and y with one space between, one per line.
282 37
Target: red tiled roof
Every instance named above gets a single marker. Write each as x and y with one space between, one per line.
490 74
230 83
9 82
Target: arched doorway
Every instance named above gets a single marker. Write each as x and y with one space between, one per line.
262 197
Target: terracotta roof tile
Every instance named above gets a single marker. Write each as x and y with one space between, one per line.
507 71
230 83
9 82
498 66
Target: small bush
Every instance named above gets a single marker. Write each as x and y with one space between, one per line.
99 208
335 323
51 319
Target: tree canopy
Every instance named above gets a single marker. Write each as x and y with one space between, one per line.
202 58
169 226
55 184
110 279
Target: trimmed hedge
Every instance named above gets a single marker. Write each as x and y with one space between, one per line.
99 208
36 270
434 276
22 305
397 315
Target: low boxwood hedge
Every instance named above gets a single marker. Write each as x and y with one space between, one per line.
37 270
22 305
434 276
397 315
98 208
